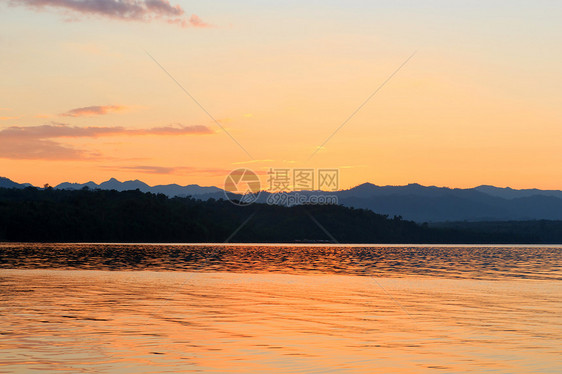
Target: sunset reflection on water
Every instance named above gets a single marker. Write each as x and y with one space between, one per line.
294 321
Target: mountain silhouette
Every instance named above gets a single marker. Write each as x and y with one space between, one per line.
96 215
412 202
510 193
171 190
437 204
7 183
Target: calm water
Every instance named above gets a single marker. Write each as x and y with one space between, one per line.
255 308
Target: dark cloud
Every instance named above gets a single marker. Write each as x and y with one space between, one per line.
128 10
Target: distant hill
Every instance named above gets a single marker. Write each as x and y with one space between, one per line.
6 183
412 202
440 204
436 204
170 190
510 193
86 215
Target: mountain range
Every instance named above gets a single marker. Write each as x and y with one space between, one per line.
170 190
439 204
412 202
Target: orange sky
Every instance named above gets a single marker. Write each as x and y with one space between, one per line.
478 104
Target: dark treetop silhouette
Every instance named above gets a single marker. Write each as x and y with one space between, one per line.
50 215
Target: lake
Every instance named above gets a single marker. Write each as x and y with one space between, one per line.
150 308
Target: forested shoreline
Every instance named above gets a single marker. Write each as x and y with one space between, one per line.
50 215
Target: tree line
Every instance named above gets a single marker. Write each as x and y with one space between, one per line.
51 215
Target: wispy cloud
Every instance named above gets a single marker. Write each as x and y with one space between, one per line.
182 170
95 110
35 142
43 116
127 10
253 162
144 169
352 166
172 130
7 118
38 149
61 130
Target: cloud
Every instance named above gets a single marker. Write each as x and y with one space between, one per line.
61 130
171 130
38 149
183 170
195 21
56 130
42 116
126 10
253 162
7 118
145 169
35 142
95 110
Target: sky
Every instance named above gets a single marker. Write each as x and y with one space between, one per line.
90 90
